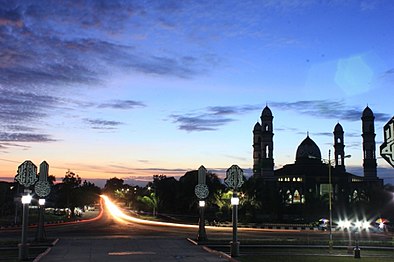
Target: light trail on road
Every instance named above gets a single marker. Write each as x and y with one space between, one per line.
120 216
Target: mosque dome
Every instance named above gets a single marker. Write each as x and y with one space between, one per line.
308 150
367 112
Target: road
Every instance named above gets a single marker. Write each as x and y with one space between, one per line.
110 224
87 239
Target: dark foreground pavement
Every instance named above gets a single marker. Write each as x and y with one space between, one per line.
129 249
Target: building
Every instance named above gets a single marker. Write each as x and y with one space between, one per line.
308 178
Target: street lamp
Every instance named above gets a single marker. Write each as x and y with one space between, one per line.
234 248
330 242
23 246
202 235
40 234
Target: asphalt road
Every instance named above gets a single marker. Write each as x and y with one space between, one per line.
107 226
88 238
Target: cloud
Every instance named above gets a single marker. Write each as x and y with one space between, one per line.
139 172
390 71
232 110
21 112
199 122
210 118
73 43
122 104
10 17
102 124
327 109
10 144
328 134
213 117
25 137
24 106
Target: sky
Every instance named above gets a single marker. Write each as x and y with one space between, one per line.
132 89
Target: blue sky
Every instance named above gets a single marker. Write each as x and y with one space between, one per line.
137 88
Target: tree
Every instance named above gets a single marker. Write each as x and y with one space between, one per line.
151 201
71 182
89 194
71 179
51 179
112 185
166 192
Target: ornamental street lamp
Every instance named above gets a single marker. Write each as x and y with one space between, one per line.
235 243
23 246
234 180
201 190
40 233
202 235
42 189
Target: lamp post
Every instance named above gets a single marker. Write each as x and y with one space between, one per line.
328 161
40 234
201 190
23 246
234 248
202 234
330 241
234 180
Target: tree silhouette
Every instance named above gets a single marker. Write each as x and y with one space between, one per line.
112 185
71 182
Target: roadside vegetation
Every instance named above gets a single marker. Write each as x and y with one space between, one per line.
173 199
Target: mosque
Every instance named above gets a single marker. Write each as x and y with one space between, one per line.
309 176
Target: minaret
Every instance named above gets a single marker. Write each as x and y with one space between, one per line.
339 147
257 149
267 144
369 146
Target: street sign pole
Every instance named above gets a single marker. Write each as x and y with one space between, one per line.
234 245
27 177
23 247
202 192
202 234
40 228
234 180
42 189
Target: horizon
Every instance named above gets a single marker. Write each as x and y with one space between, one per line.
131 90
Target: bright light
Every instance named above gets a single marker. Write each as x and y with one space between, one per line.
41 201
365 224
358 224
344 223
26 199
234 201
122 217
201 203
381 225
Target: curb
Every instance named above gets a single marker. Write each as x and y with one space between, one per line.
215 252
46 252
